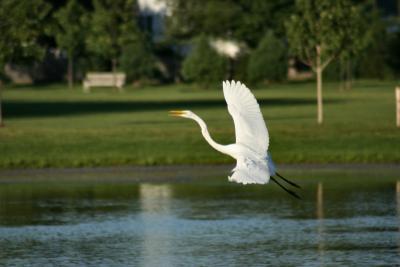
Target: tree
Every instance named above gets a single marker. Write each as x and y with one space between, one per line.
137 60
20 27
269 60
203 65
69 33
320 31
113 25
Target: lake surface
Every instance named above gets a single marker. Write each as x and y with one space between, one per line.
194 217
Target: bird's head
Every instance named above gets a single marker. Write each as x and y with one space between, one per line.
182 113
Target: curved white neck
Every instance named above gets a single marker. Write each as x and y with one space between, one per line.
221 148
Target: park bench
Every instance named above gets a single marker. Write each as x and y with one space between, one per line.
103 79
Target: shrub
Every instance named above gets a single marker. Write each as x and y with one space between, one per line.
372 61
138 61
203 65
268 61
393 59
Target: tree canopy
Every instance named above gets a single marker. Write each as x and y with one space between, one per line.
325 29
20 27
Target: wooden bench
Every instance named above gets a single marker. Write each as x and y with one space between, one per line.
398 106
103 79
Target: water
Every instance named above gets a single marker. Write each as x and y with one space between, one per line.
350 219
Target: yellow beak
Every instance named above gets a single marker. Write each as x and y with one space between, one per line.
176 113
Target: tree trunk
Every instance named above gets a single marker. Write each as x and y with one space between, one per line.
1 113
349 75
319 95
342 74
114 71
318 70
70 74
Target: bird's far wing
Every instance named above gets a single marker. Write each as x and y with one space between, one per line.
248 171
250 127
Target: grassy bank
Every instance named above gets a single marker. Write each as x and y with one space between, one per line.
51 126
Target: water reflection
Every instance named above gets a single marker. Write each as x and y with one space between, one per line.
398 209
155 202
320 222
352 222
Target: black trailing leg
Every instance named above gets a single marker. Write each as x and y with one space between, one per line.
284 188
287 181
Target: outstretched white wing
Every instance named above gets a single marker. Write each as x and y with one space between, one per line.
249 123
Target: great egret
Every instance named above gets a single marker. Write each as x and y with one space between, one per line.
254 164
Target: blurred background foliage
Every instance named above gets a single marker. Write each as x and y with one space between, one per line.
55 41
203 65
269 60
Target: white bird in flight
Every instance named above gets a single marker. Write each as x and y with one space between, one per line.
254 163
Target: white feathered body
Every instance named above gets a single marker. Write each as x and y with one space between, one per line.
251 167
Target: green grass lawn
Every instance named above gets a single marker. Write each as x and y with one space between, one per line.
51 126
